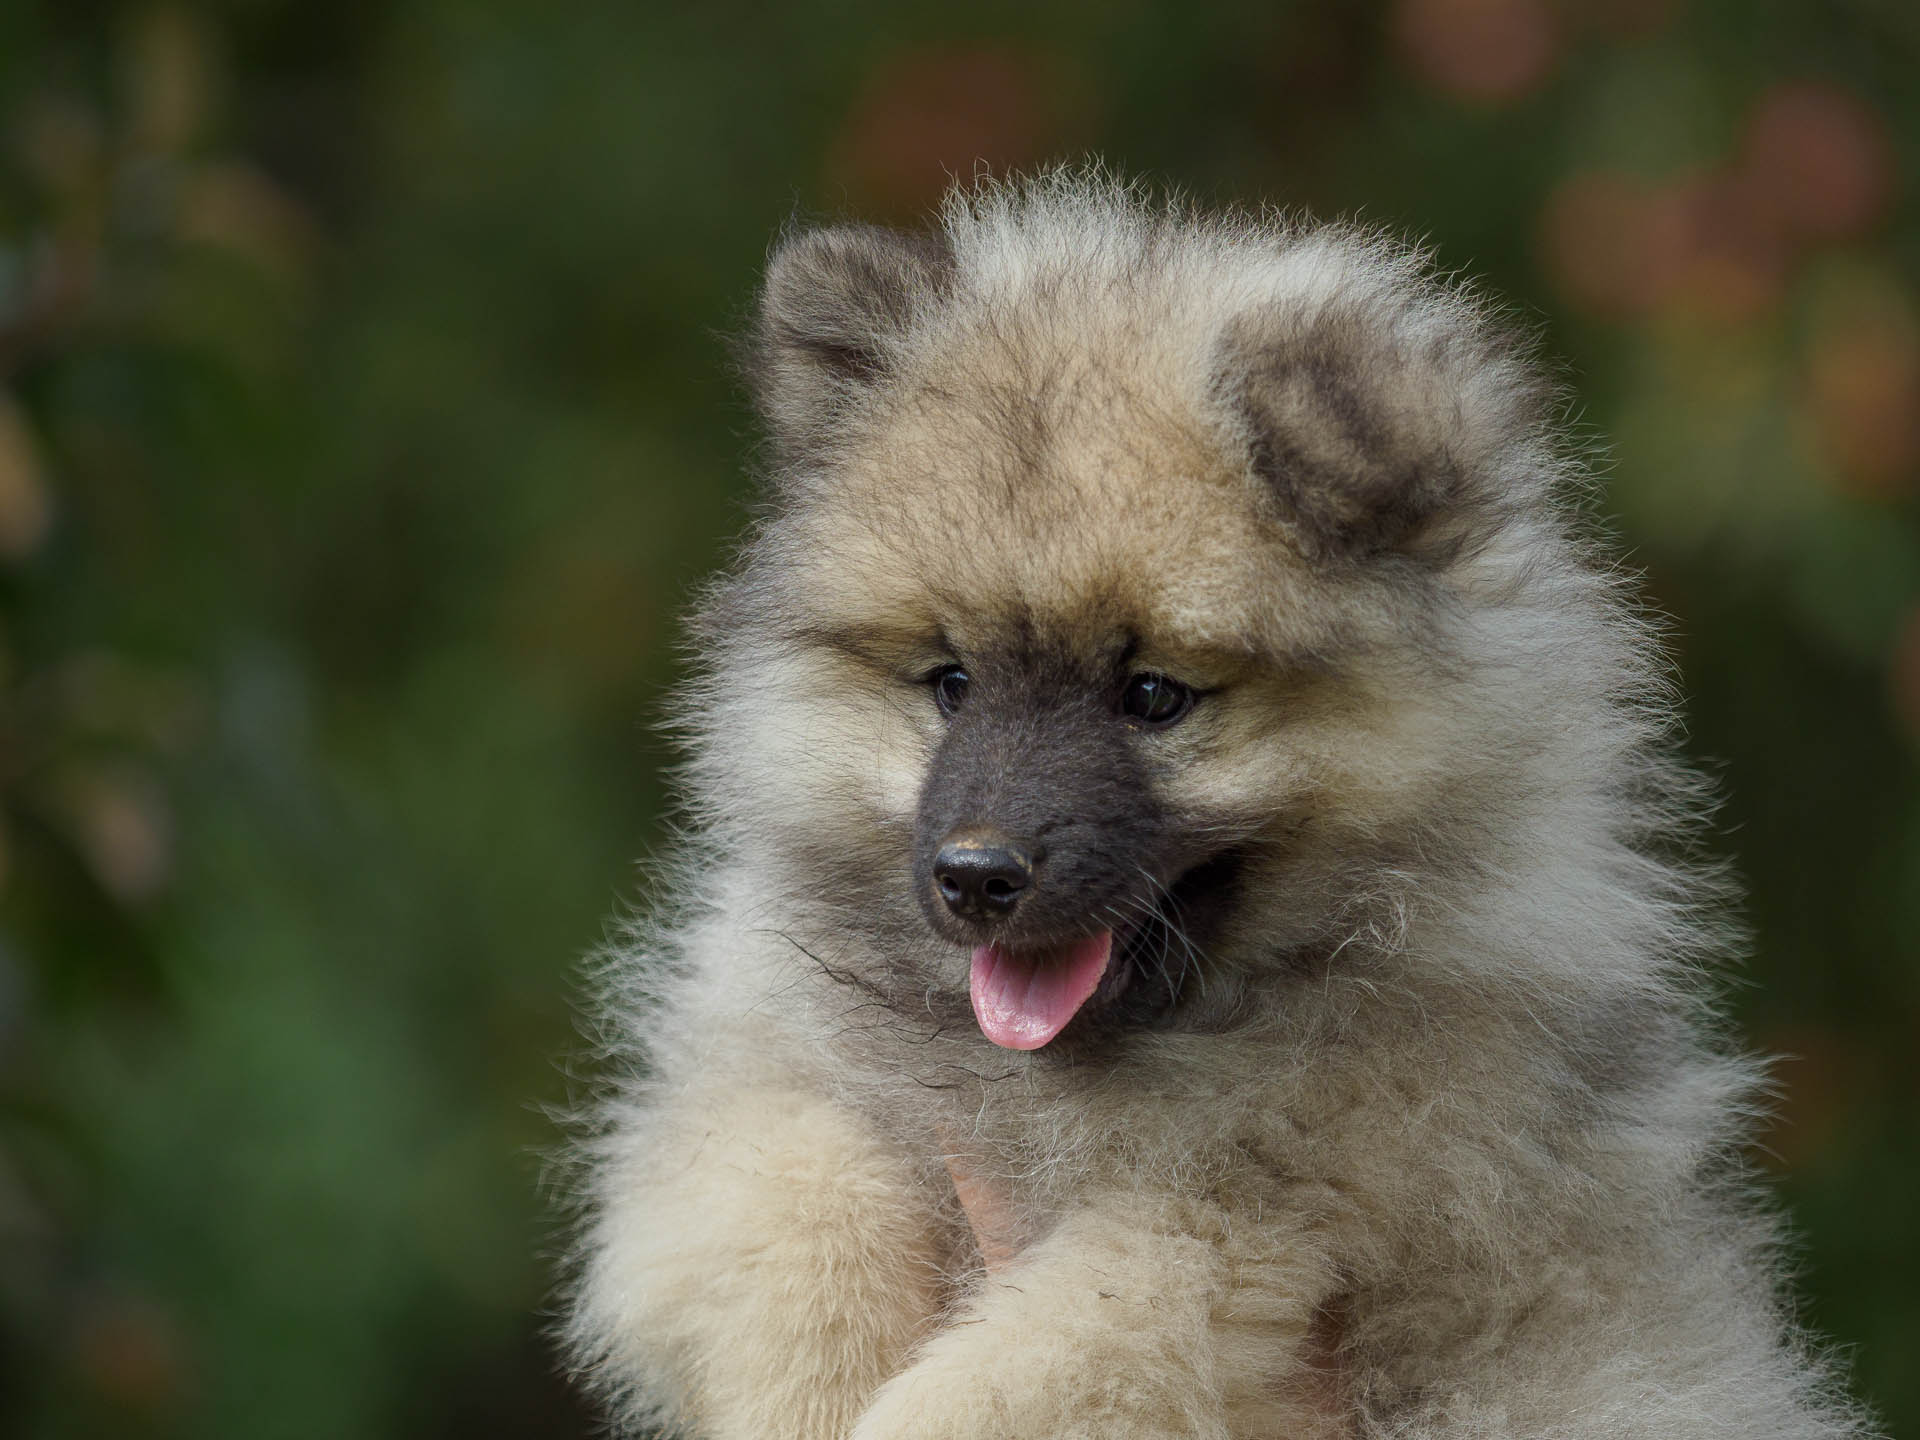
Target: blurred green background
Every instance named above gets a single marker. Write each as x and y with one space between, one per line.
363 422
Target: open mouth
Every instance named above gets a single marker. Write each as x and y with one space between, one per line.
1024 997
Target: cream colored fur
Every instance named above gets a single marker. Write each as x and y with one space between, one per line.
767 1256
1444 1108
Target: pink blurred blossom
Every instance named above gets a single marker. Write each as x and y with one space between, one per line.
1816 160
923 118
1483 52
1621 247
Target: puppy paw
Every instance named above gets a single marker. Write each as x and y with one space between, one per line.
1081 1365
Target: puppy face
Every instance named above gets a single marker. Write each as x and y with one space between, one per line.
1102 654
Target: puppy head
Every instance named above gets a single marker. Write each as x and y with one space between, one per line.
1140 597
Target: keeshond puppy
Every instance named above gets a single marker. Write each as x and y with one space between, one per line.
1187 925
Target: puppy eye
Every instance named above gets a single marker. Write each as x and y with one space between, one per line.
1156 699
949 688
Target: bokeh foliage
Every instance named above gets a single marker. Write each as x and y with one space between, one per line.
363 424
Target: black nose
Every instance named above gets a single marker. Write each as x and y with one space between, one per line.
980 878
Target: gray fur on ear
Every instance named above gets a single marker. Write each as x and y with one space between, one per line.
1372 428
836 303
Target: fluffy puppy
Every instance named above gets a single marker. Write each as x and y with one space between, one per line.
1167 753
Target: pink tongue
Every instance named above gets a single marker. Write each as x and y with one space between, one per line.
1023 1001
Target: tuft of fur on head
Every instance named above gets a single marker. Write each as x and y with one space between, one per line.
1403 908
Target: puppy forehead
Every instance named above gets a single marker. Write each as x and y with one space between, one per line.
987 512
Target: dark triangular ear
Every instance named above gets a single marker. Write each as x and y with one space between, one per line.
1377 425
836 305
